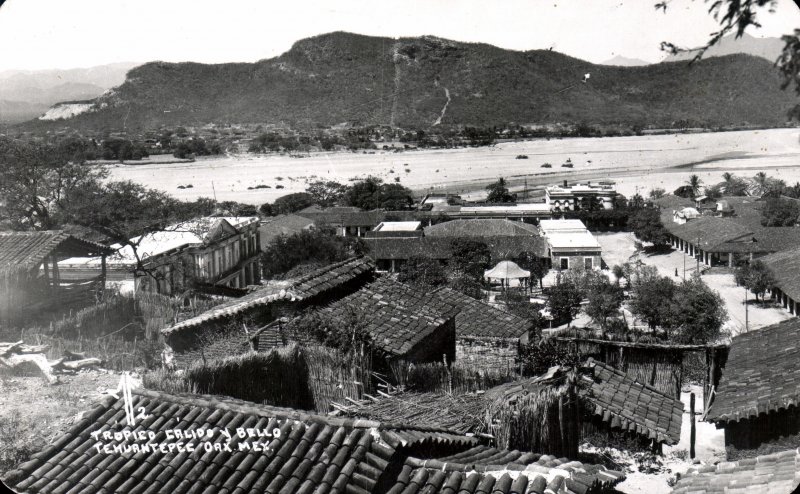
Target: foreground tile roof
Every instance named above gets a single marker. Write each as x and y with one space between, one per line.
778 473
321 280
478 319
396 316
624 403
761 375
310 454
31 248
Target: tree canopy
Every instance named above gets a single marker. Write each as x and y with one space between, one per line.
372 193
498 192
780 212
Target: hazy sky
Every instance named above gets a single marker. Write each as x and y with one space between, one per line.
43 34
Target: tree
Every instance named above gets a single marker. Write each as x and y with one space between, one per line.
533 263
308 247
564 301
657 193
423 272
605 299
36 181
394 197
700 312
651 301
694 183
372 193
780 212
761 183
646 225
636 202
756 277
291 203
498 192
470 258
793 191
126 212
326 193
733 185
233 208
714 192
520 305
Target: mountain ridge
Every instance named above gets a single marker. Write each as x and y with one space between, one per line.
337 78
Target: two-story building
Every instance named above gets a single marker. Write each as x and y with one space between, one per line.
580 196
209 254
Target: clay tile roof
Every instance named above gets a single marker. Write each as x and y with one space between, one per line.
716 234
311 453
31 248
625 403
761 374
396 316
768 474
478 319
321 280
785 267
482 228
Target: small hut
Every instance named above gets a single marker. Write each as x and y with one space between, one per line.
30 282
487 337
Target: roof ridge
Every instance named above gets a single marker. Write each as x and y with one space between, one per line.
252 408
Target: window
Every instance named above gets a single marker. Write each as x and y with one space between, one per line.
565 263
587 263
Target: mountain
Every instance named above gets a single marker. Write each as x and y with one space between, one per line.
27 94
767 48
621 61
343 78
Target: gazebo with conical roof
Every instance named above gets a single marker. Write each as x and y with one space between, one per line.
505 271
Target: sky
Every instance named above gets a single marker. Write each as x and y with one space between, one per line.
48 34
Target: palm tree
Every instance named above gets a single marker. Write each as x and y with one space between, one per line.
694 184
761 180
728 177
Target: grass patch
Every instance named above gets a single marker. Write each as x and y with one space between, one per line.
16 443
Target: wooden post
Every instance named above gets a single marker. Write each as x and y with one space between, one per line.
56 276
102 276
707 379
693 432
561 425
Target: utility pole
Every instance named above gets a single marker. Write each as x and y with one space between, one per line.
697 254
746 315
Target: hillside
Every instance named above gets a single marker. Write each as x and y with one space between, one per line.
28 94
766 48
413 82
